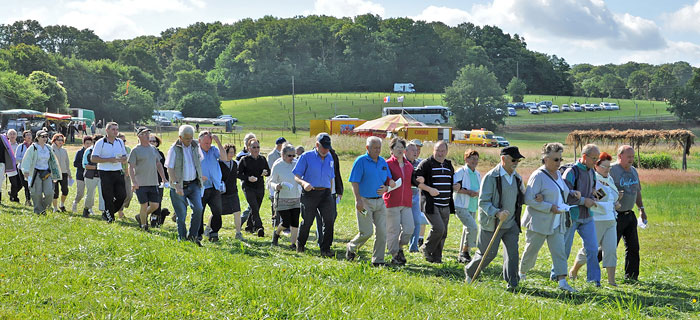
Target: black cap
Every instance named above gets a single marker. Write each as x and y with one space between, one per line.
512 151
280 140
141 130
324 139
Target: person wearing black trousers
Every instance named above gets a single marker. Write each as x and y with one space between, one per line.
336 193
158 216
251 171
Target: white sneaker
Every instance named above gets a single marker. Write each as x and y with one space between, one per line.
207 231
75 207
522 276
468 280
566 287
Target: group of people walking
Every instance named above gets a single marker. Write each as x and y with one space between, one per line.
394 198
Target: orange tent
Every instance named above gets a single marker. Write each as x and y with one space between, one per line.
387 123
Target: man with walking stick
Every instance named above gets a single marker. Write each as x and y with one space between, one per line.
500 203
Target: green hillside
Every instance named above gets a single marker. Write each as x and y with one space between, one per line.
276 111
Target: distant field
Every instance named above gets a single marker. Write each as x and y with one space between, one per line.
276 111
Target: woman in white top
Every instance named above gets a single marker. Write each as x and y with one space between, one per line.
287 196
466 200
57 143
40 168
548 219
604 216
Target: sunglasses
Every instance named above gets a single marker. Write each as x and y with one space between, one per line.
290 155
153 140
255 147
43 136
516 160
557 159
59 140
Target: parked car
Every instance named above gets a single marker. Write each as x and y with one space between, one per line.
511 112
554 108
614 106
502 142
162 121
543 109
565 108
520 105
588 107
534 110
529 105
499 111
227 117
597 107
576 107
546 103
341 116
605 106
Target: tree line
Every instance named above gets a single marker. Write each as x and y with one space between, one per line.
191 68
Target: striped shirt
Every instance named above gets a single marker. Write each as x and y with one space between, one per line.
441 174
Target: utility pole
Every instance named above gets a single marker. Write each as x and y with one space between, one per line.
517 69
294 116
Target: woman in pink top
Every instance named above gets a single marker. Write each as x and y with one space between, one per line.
399 220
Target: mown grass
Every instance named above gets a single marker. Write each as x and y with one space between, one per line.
66 266
276 111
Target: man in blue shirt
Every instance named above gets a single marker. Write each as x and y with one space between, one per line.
370 176
213 187
315 172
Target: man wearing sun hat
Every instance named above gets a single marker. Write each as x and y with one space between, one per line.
501 199
144 168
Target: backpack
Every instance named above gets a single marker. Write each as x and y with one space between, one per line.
574 169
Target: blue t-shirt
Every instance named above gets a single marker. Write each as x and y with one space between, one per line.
370 175
315 170
210 168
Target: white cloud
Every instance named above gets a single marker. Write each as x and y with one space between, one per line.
675 51
685 19
346 8
116 19
577 20
35 13
449 16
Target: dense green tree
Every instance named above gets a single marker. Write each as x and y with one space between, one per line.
663 82
516 89
49 85
638 84
139 57
685 100
473 98
199 104
613 86
26 59
18 92
137 105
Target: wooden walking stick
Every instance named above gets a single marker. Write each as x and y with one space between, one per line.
488 249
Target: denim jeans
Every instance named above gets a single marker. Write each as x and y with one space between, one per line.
193 193
418 220
586 229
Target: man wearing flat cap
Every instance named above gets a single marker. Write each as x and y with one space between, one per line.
501 199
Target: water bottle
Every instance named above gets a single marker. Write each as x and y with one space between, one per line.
642 223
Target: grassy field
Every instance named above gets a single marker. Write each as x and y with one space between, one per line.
66 266
276 111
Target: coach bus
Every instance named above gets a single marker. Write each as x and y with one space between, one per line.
428 114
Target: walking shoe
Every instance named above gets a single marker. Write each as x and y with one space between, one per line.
174 217
144 227
522 277
397 261
62 208
239 236
75 207
464 257
468 279
195 240
420 242
300 249
207 230
349 255
378 264
138 219
327 254
107 216
293 246
566 287
214 239
86 212
275 239
28 203
261 232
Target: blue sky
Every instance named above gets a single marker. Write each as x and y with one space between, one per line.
581 31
